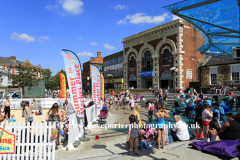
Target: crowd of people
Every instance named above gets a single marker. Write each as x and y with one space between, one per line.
214 118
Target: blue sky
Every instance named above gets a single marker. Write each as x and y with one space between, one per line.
40 29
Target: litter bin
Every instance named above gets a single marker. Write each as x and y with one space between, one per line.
237 102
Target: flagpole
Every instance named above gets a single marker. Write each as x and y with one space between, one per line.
82 90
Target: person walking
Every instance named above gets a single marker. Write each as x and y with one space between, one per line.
131 103
7 104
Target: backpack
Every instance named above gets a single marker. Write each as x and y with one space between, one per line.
152 108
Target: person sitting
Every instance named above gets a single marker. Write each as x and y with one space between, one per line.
212 89
201 96
212 133
180 130
198 132
231 94
230 130
12 119
219 88
39 111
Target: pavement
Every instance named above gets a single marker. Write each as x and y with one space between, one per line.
111 145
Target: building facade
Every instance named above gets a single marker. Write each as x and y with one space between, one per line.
218 70
113 71
86 73
148 56
7 67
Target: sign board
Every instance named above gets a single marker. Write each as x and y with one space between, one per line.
113 80
189 74
147 74
7 143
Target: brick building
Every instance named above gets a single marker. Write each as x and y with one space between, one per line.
218 70
149 55
8 66
86 73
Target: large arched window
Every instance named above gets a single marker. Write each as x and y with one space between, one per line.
132 62
166 57
147 61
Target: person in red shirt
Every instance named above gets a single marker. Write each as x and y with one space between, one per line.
231 94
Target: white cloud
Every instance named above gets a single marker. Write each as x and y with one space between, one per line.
122 22
42 38
85 54
80 37
52 8
143 18
22 37
93 43
109 47
174 17
119 6
73 7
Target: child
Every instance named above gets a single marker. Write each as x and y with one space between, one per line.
213 132
39 111
198 133
120 104
12 119
132 134
151 110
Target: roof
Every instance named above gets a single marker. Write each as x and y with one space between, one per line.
8 60
118 54
217 21
214 61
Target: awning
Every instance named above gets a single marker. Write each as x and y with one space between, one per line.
217 21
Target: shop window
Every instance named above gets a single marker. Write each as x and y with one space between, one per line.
213 75
166 57
235 73
148 61
133 61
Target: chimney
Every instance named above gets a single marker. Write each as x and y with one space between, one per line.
92 58
13 58
98 54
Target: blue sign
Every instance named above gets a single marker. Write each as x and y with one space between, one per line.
146 74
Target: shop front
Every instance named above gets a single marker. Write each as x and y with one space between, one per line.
113 83
147 79
166 80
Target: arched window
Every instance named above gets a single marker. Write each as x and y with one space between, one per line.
147 61
133 62
166 57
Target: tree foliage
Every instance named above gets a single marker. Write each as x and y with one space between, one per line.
54 81
25 77
46 75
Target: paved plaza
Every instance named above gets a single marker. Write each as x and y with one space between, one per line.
111 145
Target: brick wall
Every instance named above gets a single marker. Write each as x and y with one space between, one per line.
192 40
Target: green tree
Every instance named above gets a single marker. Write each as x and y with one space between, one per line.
46 75
54 81
25 77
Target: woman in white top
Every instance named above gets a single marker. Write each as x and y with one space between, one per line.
7 107
179 131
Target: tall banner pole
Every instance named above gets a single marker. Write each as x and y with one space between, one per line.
63 93
96 85
74 75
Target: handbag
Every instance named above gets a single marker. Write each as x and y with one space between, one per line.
128 145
